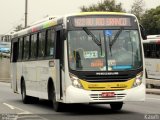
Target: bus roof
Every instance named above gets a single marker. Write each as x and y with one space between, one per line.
54 20
99 13
152 39
155 40
153 36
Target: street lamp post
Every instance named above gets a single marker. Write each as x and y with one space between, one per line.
26 12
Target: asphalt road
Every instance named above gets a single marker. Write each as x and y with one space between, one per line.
12 108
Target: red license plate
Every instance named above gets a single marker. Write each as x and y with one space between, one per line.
108 94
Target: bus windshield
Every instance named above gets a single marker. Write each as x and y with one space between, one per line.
119 49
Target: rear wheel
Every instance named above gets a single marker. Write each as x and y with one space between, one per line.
116 106
25 98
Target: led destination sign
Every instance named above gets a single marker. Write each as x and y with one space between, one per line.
101 21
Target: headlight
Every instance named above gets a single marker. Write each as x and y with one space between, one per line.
75 81
138 80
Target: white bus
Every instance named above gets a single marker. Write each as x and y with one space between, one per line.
152 60
92 57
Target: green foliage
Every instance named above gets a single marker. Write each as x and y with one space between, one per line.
106 5
151 21
138 8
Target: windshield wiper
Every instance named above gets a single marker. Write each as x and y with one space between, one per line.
91 34
115 38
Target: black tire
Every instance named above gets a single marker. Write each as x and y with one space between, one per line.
56 105
34 100
116 106
25 98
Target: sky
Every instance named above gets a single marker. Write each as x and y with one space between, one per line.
12 11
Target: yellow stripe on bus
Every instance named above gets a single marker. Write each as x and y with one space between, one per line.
107 85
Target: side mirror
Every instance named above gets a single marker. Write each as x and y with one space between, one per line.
143 33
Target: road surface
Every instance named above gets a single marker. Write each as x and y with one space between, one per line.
11 107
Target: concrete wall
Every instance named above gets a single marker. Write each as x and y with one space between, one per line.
4 69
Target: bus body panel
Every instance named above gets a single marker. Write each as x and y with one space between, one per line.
80 95
29 73
152 60
14 77
19 75
36 75
152 68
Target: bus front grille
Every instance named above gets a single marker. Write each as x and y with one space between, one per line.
118 78
98 97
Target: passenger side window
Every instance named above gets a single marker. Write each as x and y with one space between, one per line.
41 44
34 46
26 47
14 54
20 48
50 42
151 50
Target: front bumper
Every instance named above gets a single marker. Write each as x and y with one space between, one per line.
76 95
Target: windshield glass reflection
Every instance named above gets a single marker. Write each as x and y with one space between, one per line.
86 55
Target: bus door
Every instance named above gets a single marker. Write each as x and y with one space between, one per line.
59 56
14 56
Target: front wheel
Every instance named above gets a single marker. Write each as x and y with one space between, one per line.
116 106
56 105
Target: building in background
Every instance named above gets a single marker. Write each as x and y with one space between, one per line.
5 38
5 43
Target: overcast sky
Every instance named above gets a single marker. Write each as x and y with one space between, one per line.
12 11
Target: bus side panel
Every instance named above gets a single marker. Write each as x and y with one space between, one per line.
19 75
14 56
57 83
30 73
65 74
44 73
152 68
36 75
14 77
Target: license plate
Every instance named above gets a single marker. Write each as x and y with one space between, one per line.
108 94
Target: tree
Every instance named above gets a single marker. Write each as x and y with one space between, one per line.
18 27
106 5
138 8
151 21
